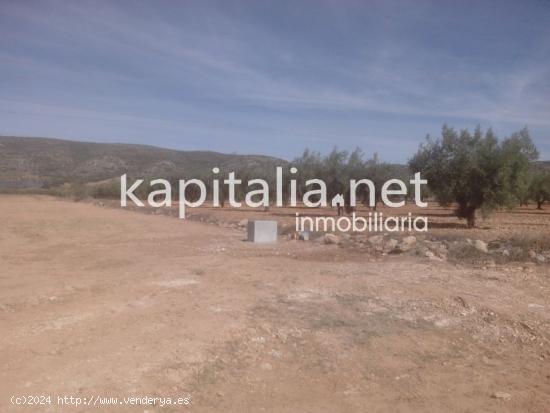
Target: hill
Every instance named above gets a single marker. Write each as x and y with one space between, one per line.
43 162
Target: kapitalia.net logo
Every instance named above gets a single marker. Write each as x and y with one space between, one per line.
193 193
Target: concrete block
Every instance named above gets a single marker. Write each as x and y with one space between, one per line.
262 231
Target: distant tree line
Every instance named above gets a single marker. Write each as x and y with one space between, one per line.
476 172
336 169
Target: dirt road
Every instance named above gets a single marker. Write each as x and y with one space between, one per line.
102 302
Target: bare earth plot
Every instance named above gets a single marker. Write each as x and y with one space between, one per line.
98 301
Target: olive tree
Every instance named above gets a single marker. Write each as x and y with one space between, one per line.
539 190
333 169
475 171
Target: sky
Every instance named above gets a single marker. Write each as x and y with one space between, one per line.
274 77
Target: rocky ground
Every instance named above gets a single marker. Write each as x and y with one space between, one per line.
99 301
506 237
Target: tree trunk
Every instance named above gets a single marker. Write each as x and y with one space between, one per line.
471 217
348 209
539 204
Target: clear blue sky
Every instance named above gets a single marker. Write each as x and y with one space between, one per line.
274 77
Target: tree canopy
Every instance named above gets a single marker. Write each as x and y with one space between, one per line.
539 189
475 171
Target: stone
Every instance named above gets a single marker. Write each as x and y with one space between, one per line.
391 244
529 267
262 231
437 246
443 323
432 256
534 305
402 247
429 255
540 258
331 239
501 395
243 223
266 366
481 246
376 240
410 240
399 249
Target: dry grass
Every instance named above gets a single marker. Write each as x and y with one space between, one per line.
537 242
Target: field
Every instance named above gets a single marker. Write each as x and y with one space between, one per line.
96 301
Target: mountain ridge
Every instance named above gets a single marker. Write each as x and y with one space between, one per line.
37 162
27 162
